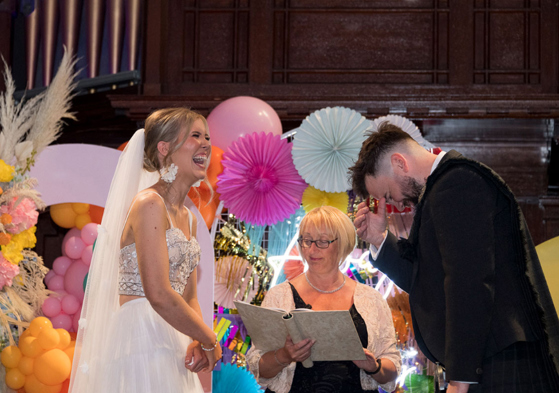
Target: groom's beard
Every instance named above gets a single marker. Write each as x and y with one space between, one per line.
411 190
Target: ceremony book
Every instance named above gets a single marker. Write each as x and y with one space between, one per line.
334 331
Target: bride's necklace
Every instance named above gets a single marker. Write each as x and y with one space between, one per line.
322 291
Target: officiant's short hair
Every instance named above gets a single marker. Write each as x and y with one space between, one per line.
337 223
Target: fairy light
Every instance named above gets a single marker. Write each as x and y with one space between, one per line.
405 372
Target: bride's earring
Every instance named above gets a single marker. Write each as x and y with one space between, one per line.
169 173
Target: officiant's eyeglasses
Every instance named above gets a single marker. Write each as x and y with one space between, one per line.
307 243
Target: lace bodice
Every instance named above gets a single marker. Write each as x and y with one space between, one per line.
184 256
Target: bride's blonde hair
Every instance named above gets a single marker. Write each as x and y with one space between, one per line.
166 125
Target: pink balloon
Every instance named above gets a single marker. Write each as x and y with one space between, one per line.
76 319
56 282
239 116
60 293
86 255
70 304
74 247
49 275
89 233
62 320
73 279
74 232
61 264
51 307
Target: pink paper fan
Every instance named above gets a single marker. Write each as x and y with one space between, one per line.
259 183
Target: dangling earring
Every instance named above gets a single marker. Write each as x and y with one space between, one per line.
169 173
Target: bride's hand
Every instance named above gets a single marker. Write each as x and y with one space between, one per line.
213 357
195 359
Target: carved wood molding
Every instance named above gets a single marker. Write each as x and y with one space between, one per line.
138 107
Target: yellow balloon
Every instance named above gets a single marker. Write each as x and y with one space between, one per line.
38 324
33 385
48 339
11 356
63 215
26 365
52 367
15 379
80 208
30 347
82 220
65 338
548 253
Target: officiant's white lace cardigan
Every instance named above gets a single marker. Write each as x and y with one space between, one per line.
380 328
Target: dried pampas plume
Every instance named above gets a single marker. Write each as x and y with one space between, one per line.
32 125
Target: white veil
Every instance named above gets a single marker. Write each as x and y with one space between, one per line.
101 301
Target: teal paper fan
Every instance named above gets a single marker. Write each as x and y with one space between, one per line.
326 145
233 379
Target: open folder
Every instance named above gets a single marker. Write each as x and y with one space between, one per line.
334 331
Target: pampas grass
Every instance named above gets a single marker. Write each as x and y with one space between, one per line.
39 119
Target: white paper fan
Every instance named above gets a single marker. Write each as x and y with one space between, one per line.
406 125
234 280
326 145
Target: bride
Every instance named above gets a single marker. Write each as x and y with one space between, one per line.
141 327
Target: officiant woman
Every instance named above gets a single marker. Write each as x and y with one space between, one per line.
327 237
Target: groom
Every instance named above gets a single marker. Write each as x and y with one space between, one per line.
480 303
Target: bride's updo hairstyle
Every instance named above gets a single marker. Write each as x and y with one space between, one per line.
166 125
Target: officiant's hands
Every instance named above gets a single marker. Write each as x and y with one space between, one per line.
299 351
370 364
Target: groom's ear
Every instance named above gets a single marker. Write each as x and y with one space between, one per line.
399 163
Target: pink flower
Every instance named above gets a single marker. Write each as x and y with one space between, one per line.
7 272
24 216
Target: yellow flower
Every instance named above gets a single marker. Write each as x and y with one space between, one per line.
12 252
27 238
6 172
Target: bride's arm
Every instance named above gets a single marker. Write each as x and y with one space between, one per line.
149 223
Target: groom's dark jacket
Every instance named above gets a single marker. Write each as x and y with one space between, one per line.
469 265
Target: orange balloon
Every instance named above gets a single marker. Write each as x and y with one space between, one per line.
215 167
73 335
63 215
208 213
33 385
15 379
30 347
49 339
26 365
80 208
96 213
70 352
25 333
64 338
38 324
82 220
52 367
65 386
121 147
10 357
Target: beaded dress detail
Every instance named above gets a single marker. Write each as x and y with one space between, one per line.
184 256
